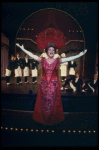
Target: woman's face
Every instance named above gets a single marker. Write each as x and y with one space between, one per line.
51 52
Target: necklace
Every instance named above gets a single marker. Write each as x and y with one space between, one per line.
50 61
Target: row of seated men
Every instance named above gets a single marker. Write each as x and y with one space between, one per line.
74 82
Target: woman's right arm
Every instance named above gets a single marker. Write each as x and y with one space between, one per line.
29 53
73 57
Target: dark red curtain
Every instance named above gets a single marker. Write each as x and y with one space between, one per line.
4 60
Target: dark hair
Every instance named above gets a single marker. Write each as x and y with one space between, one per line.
17 53
12 55
95 75
26 54
77 73
50 45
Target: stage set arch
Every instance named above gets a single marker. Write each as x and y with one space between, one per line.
44 22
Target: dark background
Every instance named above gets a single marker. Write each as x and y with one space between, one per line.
86 14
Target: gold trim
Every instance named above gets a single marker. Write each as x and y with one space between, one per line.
47 30
26 39
74 41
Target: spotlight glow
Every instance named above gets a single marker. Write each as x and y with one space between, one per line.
21 129
42 130
16 129
36 130
11 128
47 130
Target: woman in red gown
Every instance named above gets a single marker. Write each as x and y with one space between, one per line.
48 108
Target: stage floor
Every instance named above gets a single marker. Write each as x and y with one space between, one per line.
19 129
80 127
33 89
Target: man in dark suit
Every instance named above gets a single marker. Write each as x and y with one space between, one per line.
18 68
91 85
75 83
26 67
34 70
9 69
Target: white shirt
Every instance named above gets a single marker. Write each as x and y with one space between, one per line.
76 79
95 81
26 60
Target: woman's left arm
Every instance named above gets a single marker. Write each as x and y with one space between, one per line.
62 60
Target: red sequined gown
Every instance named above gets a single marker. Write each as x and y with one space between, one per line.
48 107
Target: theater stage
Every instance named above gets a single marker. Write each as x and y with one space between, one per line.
80 127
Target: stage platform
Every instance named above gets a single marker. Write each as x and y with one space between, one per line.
26 102
33 89
80 127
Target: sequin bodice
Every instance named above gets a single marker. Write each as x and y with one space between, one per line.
49 70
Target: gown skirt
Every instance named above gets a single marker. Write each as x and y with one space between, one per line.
48 107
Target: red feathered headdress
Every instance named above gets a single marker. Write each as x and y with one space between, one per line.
50 35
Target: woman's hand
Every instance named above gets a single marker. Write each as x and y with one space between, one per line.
82 53
18 44
22 47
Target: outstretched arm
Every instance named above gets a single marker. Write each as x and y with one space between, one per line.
73 57
29 53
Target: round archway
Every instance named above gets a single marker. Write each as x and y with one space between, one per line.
47 18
